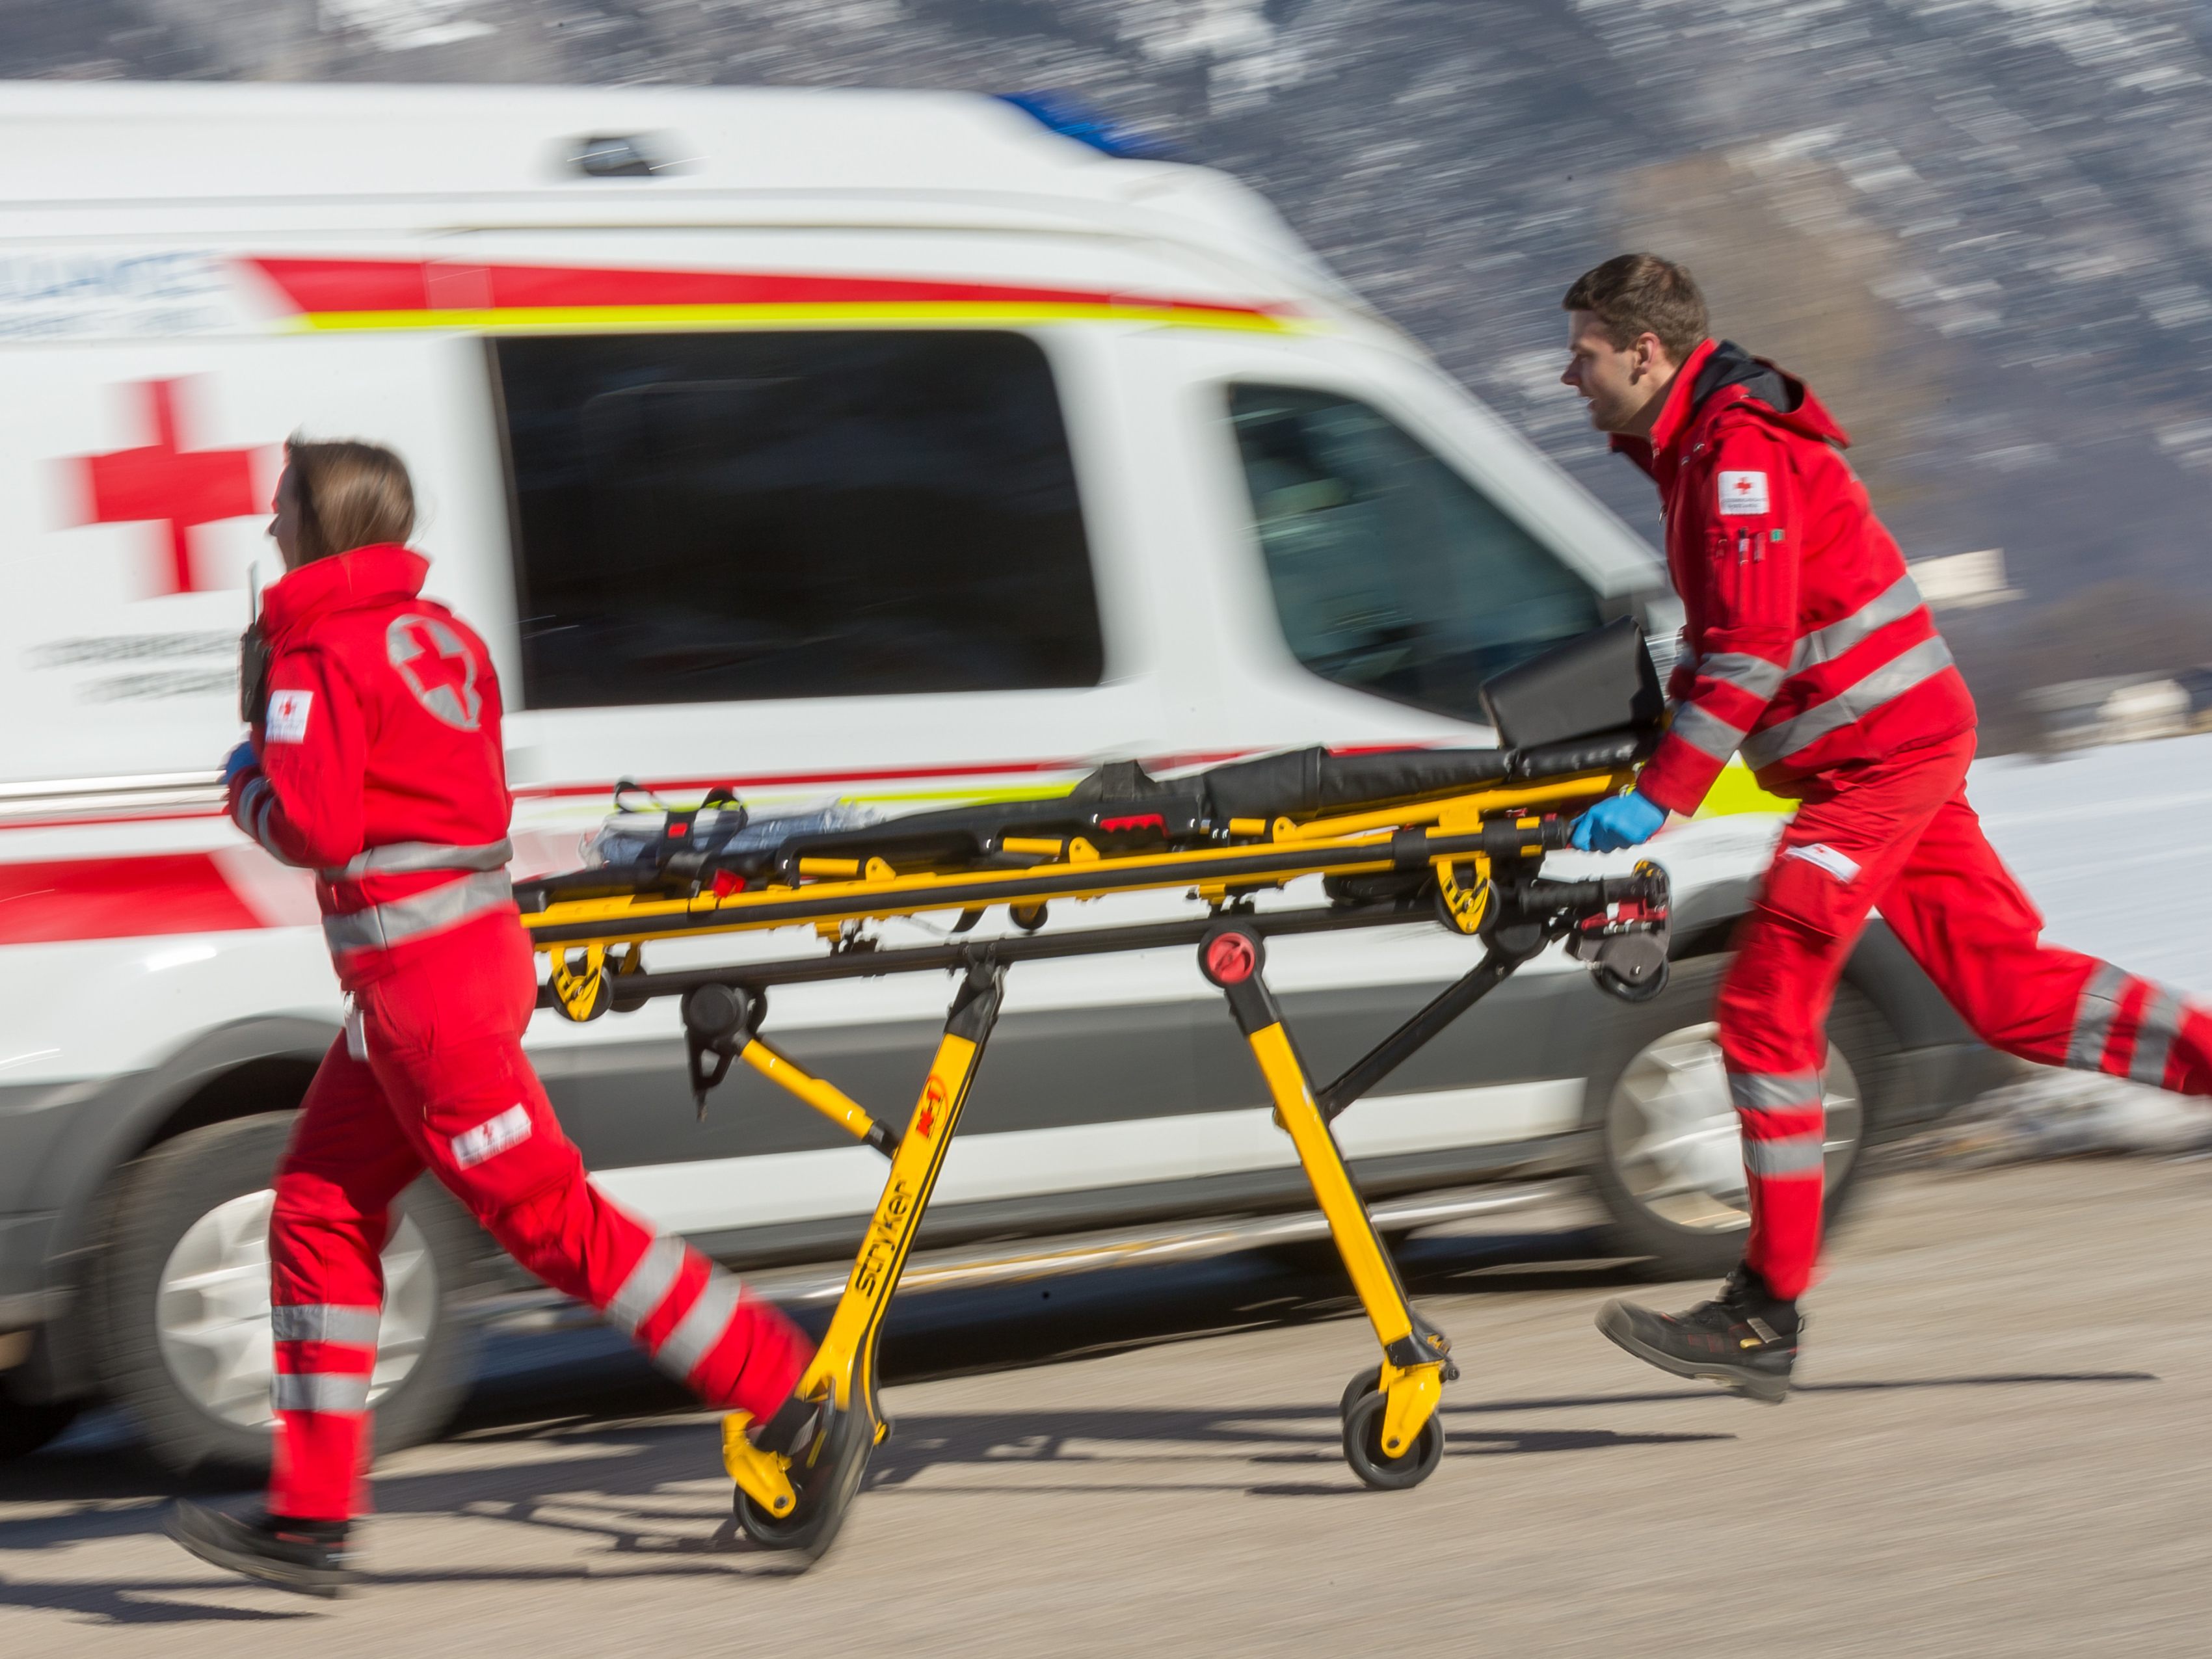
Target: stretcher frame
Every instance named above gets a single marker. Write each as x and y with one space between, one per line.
1469 860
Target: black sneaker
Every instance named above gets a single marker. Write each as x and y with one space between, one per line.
309 1557
1745 1339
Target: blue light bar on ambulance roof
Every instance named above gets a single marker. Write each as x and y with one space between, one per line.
1071 118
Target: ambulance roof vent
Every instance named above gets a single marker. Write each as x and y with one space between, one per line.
626 155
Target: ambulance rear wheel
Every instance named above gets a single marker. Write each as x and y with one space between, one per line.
1363 1448
184 1296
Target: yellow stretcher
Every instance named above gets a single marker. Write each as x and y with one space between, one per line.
1462 843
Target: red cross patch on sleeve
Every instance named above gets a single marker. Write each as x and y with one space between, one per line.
1743 493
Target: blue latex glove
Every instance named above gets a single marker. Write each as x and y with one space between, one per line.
1618 821
240 759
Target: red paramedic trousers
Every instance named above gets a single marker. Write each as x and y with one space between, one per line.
446 1087
1898 837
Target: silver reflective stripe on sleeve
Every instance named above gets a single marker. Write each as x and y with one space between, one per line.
698 1330
382 926
2161 1023
645 1284
402 858
325 1321
255 802
2092 1017
1893 603
1774 1091
1709 734
1884 685
1743 670
1791 1155
261 812
318 1391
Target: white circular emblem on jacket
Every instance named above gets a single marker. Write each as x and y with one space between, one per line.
438 666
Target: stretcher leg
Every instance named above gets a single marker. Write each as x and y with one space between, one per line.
773 1509
1391 1433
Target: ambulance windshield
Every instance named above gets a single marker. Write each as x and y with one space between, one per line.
1391 573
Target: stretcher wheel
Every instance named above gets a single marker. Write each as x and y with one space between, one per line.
1366 1382
826 1488
1612 985
1363 1448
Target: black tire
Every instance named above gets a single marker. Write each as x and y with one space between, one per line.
1363 1448
1362 1384
1664 1249
25 1426
162 1194
823 1500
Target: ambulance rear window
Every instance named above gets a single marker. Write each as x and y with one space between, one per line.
706 518
1391 573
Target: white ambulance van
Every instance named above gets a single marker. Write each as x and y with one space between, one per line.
878 449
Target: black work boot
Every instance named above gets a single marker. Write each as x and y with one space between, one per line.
1745 1339
309 1557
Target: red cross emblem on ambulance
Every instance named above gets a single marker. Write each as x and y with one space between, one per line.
164 483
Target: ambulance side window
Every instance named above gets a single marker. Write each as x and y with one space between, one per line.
1391 573
724 517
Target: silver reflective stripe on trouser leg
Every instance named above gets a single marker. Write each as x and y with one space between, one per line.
647 1284
325 1321
1893 603
2092 1017
1756 1094
1707 733
2155 1036
403 857
1775 1091
1854 702
698 1330
382 926
319 1391
1788 1155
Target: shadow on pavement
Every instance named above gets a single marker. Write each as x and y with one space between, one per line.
607 1452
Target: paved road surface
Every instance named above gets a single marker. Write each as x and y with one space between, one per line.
2001 1449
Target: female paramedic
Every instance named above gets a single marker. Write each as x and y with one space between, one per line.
1809 651
376 762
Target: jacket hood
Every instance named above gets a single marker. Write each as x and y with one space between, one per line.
365 575
1734 376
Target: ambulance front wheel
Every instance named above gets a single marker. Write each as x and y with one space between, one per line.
1363 1447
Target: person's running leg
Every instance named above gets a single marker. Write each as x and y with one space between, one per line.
1959 912
444 1037
347 1163
1844 847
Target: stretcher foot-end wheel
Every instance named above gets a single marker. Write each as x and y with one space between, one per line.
823 1477
1363 1445
1365 1383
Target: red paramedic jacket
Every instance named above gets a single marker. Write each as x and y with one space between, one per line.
379 765
1806 644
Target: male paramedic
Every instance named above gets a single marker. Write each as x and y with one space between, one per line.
376 762
1807 651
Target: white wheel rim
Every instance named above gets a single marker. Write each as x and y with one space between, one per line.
1673 1134
211 1310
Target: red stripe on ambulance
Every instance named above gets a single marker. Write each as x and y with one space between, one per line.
327 286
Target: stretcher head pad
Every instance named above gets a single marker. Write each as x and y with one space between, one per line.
1598 683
